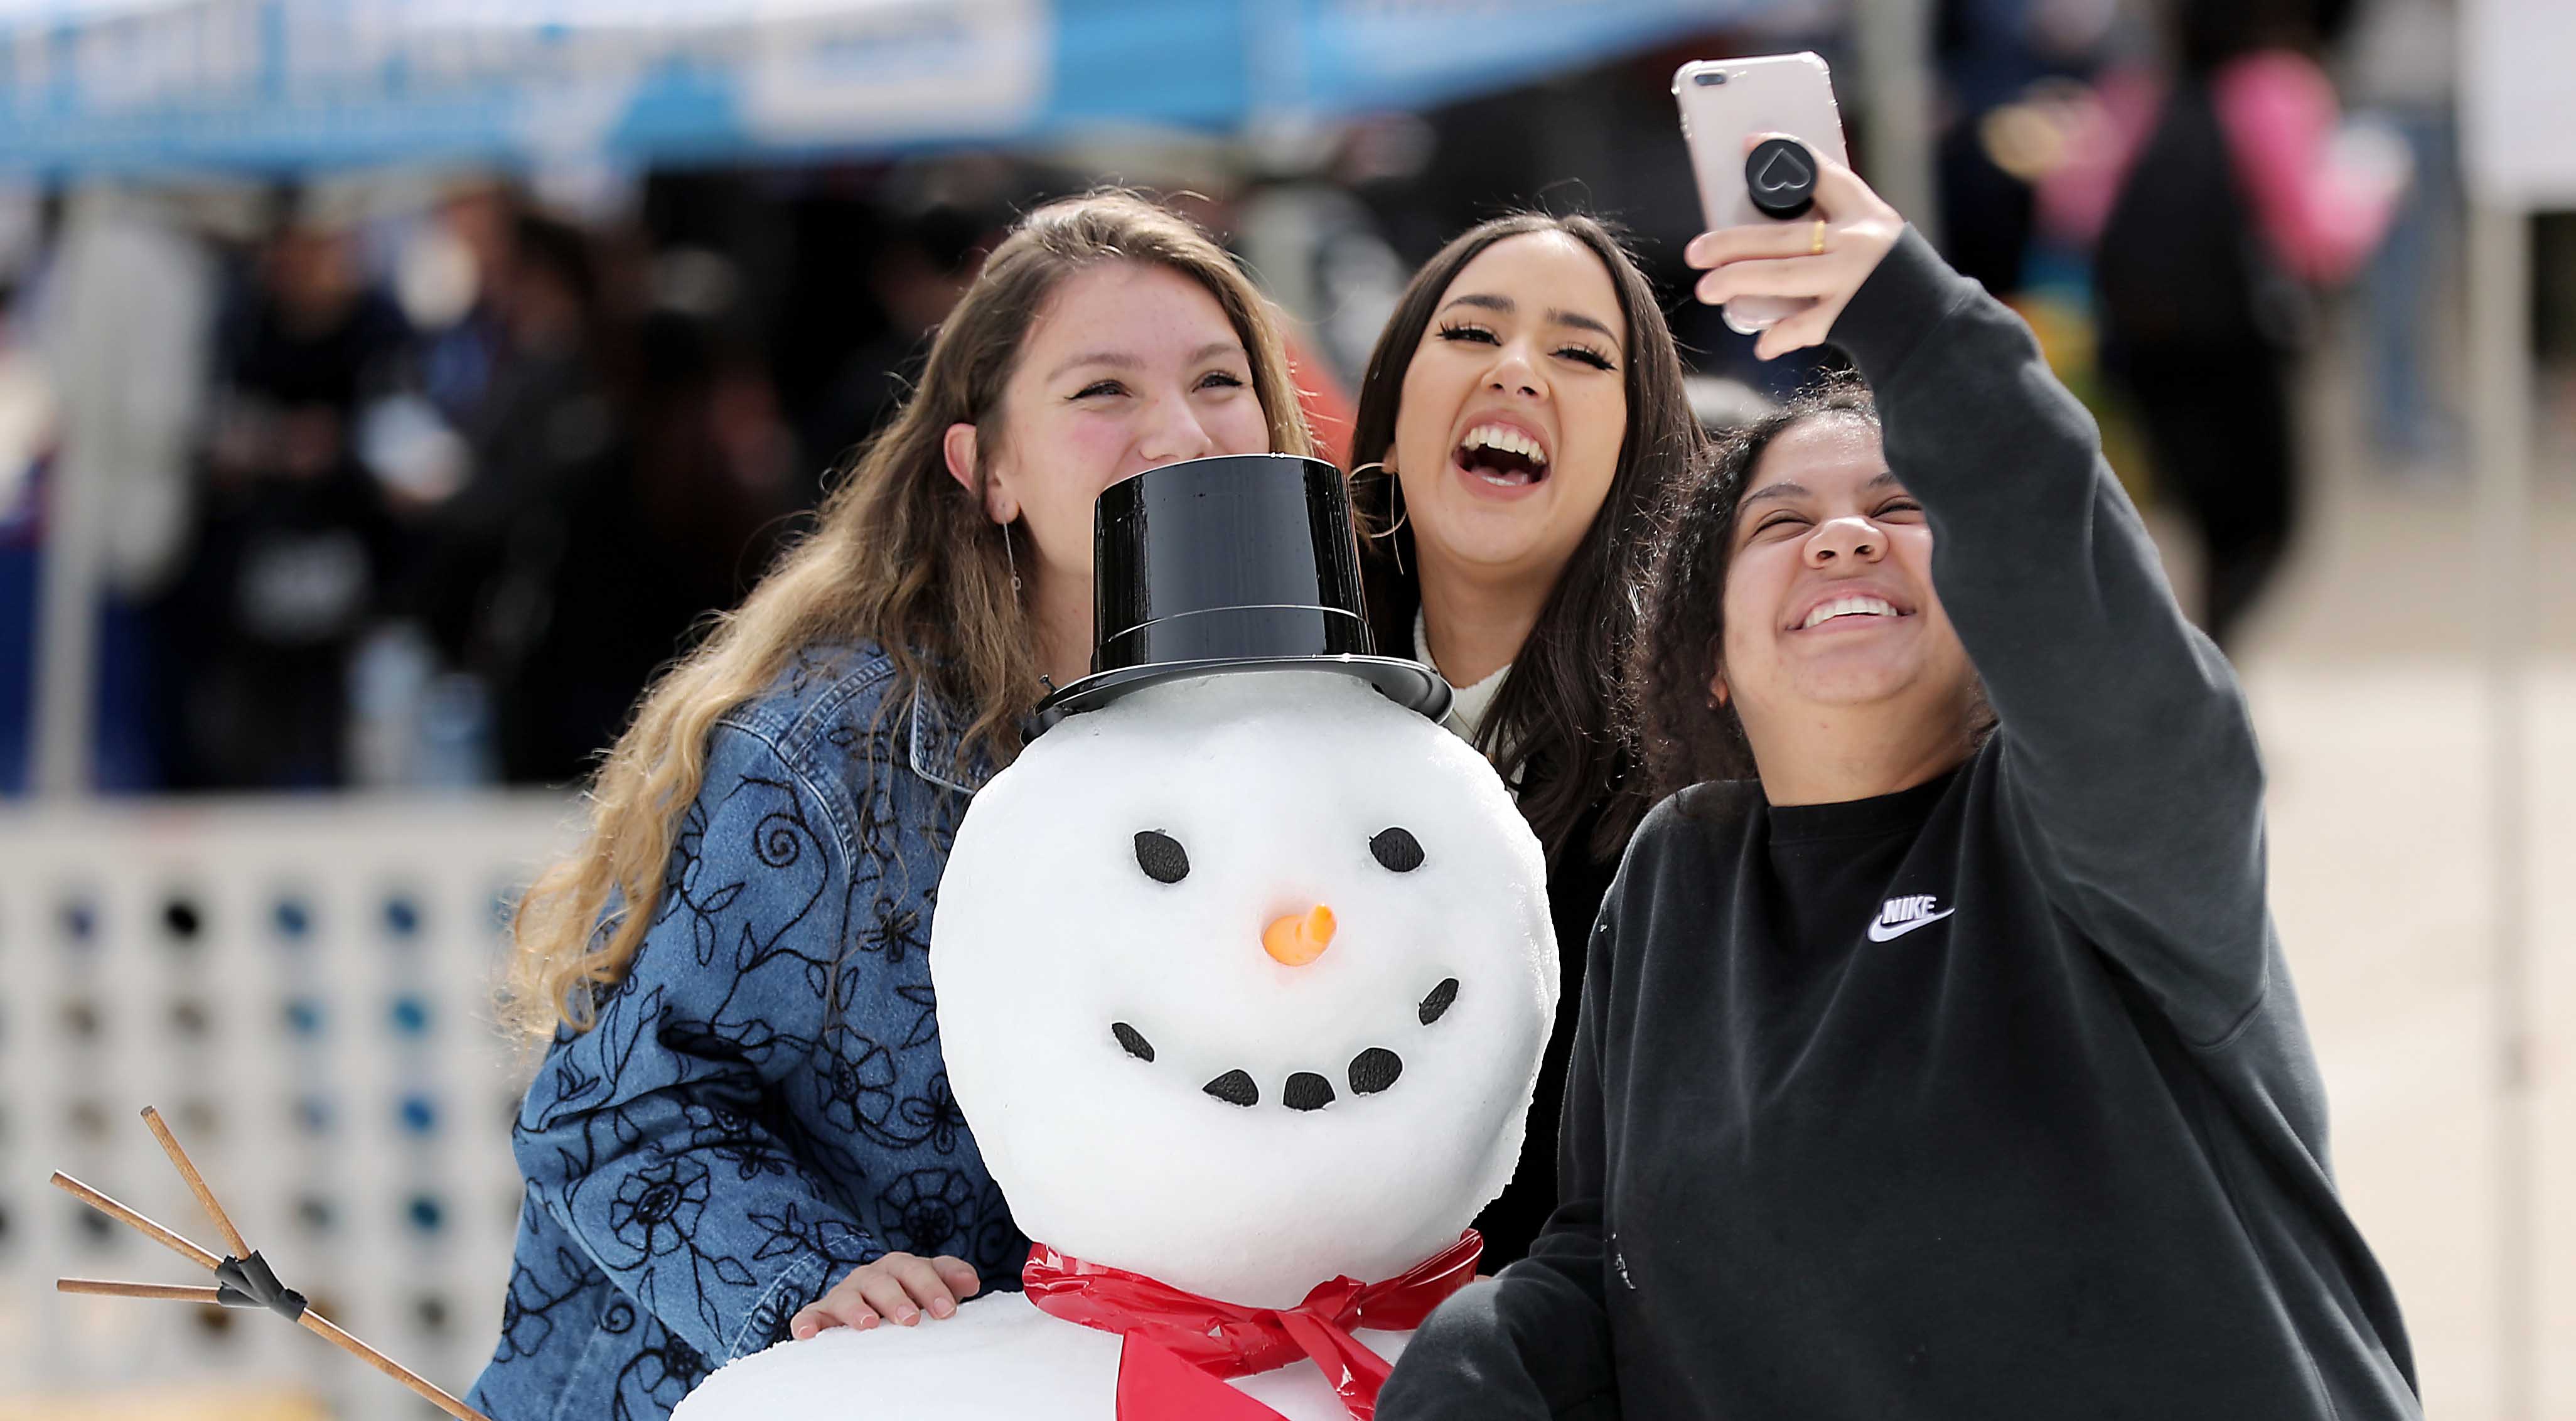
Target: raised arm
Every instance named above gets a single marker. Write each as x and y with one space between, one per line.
2127 753
646 1136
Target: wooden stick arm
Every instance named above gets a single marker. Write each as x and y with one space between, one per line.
123 1215
293 1304
172 1292
332 1332
196 1182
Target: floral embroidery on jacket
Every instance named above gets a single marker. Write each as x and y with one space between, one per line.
762 1106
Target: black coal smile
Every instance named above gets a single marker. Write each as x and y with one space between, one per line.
1371 1071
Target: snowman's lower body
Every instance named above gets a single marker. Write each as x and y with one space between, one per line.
997 1359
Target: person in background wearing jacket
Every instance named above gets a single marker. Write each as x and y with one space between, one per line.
743 1130
1937 1057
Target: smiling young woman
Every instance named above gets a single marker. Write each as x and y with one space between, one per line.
1937 1057
1822 553
1519 417
743 1130
1134 367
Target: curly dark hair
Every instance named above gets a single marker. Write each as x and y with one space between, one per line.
1682 736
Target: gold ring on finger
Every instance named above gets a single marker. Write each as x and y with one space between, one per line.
1818 247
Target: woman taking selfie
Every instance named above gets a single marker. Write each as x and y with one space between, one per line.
743 1129
1521 413
1937 1059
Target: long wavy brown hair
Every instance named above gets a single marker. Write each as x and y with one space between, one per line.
1556 714
900 556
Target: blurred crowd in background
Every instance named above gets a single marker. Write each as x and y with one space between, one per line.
422 475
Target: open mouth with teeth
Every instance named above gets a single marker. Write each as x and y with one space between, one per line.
1370 1072
1856 610
1502 455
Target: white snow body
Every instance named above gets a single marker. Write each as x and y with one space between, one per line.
998 1357
1142 1075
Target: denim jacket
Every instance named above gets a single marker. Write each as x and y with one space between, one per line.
762 1106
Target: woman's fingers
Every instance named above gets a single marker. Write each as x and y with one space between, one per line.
914 1285
1779 276
841 1307
1842 197
882 1293
901 1287
898 1286
928 1290
1753 240
1797 332
959 1275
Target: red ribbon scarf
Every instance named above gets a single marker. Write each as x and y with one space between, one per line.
1219 1339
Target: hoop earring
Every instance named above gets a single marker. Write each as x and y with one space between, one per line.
1395 499
1395 495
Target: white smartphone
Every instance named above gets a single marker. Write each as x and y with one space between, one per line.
1724 100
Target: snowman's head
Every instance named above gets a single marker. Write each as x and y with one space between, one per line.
1243 982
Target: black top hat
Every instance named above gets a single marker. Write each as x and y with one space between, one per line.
1242 562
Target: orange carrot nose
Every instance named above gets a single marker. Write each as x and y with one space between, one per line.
1299 938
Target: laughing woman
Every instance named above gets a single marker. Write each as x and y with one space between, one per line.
1938 1060
1525 409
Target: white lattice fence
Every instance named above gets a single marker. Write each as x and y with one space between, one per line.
304 989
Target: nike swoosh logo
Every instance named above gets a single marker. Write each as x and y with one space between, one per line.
1889 932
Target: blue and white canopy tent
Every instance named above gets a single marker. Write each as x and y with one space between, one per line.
143 92
141 86
147 92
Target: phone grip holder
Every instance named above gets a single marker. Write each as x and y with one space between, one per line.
1780 176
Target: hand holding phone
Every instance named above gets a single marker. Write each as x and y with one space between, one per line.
1726 103
1814 263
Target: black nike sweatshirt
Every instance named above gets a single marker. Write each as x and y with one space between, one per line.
1986 1099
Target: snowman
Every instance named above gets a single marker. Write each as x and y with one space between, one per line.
1243 974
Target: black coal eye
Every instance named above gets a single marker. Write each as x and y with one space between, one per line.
1398 850
1161 856
1437 1003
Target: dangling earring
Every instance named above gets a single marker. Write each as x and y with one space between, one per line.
984 504
1012 561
